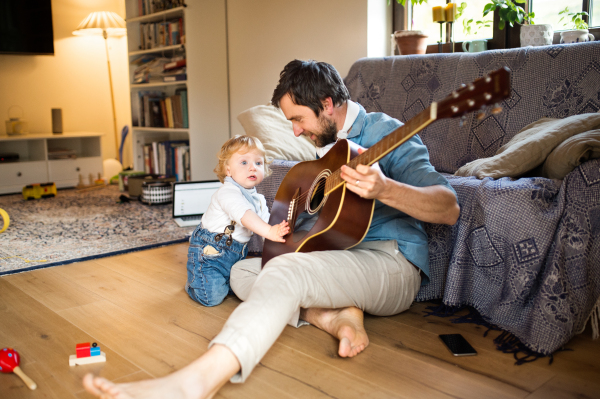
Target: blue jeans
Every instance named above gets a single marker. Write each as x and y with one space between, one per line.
208 274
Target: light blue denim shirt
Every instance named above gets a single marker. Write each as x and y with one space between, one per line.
409 163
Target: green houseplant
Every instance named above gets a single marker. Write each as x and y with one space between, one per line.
410 41
579 28
510 13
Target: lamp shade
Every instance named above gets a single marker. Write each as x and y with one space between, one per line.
98 22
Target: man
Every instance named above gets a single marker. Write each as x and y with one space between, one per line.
329 289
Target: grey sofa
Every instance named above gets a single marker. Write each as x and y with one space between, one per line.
525 253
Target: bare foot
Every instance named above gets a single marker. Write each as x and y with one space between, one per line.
200 379
168 387
346 324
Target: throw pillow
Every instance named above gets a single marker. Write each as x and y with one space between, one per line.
530 147
270 126
571 153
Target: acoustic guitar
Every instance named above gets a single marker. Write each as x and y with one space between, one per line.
315 189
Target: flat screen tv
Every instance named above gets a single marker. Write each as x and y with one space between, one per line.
26 27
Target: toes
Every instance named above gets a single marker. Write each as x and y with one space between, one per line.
90 386
345 349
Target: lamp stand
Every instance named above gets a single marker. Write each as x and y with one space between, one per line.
112 96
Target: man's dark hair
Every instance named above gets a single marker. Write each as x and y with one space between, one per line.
309 83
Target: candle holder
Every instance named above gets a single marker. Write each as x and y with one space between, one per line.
441 43
451 36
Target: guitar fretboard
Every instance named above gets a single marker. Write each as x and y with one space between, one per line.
385 145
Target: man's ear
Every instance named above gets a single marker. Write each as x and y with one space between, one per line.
328 106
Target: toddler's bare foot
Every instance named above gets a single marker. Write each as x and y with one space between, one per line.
346 324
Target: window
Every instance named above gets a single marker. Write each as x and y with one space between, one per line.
546 12
422 20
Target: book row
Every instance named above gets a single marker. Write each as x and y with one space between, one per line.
168 158
161 34
156 109
152 69
146 7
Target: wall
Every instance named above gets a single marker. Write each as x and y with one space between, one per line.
264 35
75 78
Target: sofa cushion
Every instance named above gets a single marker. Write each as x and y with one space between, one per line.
530 147
571 153
270 126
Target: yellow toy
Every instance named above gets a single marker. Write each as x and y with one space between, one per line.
6 220
39 190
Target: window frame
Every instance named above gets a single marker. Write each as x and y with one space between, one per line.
502 39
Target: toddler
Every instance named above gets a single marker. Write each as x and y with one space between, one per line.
235 212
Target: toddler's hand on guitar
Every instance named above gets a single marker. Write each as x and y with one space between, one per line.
367 181
278 231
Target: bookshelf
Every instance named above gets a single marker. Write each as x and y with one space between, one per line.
37 163
204 47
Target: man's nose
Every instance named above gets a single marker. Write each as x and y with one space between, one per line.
297 130
252 166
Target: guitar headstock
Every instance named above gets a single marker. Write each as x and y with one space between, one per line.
484 91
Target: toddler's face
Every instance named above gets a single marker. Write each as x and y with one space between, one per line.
246 167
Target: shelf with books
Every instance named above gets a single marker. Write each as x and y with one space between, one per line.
159 129
142 86
157 50
157 16
197 90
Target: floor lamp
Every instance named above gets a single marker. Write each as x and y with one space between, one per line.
105 23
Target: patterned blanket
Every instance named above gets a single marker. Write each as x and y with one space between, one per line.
523 254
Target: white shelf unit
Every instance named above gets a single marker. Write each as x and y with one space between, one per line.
205 49
34 166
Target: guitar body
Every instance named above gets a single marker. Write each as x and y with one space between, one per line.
343 216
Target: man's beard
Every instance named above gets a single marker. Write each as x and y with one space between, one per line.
328 133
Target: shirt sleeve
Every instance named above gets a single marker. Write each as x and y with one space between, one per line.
233 203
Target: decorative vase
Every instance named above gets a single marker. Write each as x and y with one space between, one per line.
536 35
576 36
411 41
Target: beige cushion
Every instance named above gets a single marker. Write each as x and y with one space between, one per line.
530 147
572 153
270 126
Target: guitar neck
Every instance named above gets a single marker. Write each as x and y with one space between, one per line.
386 145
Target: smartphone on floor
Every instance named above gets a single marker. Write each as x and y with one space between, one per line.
458 345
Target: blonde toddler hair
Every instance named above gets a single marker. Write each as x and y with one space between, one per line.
235 144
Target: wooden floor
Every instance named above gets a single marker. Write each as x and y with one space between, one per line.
135 308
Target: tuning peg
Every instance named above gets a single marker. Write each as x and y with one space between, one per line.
496 109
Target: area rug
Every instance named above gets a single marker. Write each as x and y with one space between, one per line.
81 225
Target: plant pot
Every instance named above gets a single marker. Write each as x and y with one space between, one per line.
536 35
411 41
576 36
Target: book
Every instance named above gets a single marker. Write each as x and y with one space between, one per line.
184 107
156 117
175 64
175 78
169 107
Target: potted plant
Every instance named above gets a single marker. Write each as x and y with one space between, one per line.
509 12
411 41
471 28
579 28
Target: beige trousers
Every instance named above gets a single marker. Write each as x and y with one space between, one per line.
374 277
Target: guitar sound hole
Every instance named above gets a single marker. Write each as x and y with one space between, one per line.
317 195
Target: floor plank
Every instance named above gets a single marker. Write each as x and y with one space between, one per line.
134 305
45 338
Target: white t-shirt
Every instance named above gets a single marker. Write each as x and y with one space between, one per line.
228 204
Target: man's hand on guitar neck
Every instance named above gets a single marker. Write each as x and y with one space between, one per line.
433 204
